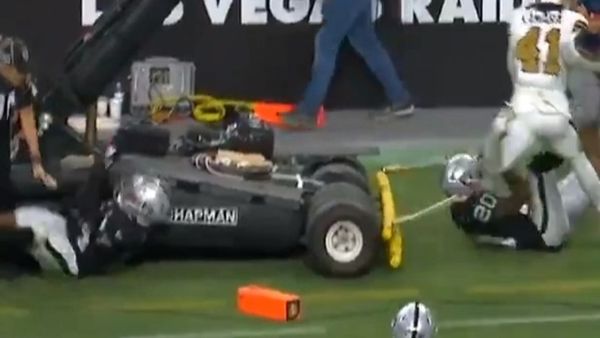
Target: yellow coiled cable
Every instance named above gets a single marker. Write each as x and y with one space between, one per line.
204 108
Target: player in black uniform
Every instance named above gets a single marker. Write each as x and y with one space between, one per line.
108 226
541 219
105 226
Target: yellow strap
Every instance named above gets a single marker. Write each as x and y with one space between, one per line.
390 232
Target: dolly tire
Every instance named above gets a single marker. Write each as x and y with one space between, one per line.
341 172
342 232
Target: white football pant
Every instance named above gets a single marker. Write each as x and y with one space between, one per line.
517 137
50 235
575 200
547 211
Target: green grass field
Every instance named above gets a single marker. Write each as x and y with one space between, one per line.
474 292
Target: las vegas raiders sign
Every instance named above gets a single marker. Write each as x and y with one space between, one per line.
209 216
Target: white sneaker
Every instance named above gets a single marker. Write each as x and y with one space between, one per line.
61 248
50 238
44 257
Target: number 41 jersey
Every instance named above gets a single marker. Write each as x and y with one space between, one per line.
540 46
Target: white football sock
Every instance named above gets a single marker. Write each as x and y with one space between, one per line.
576 202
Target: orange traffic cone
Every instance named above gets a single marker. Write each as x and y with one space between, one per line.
264 302
272 113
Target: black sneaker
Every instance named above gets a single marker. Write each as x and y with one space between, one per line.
404 109
296 120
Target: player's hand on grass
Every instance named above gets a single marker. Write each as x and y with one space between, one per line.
40 174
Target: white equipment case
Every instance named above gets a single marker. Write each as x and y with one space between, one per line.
157 77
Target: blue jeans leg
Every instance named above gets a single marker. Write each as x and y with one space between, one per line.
339 16
364 40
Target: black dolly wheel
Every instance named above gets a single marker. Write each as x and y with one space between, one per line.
342 232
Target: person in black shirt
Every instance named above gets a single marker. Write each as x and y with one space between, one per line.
16 110
16 105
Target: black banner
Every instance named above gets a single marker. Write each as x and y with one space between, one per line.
450 52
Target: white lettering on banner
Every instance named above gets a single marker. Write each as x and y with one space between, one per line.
175 16
506 9
458 9
295 11
489 11
258 12
90 13
412 9
263 12
218 10
254 12
316 16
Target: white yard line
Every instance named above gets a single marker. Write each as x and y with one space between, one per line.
511 321
312 331
283 332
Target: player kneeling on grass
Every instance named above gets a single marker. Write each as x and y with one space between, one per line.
542 219
99 228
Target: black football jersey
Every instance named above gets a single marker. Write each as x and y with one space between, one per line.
479 216
11 101
102 234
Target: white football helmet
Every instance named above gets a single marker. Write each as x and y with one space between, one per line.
144 198
459 171
414 320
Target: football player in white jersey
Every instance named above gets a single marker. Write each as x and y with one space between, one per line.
545 40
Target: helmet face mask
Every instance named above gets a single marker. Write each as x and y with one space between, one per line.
144 198
460 170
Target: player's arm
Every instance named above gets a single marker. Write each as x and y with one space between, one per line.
590 140
24 107
512 42
581 47
520 193
510 61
